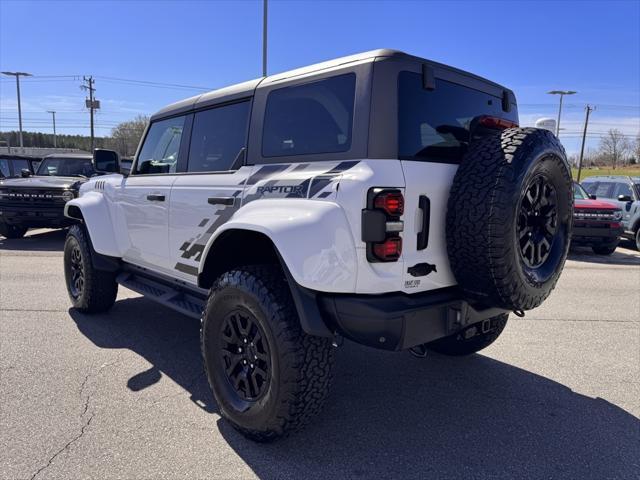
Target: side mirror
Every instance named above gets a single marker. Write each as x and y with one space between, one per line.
105 161
25 173
625 198
125 167
592 197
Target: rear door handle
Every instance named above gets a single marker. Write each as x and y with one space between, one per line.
228 201
155 198
423 236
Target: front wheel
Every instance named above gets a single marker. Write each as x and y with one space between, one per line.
90 290
472 339
12 231
268 377
638 239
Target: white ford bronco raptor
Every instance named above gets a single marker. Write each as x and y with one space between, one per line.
379 197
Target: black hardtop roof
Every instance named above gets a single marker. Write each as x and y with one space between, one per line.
247 88
77 156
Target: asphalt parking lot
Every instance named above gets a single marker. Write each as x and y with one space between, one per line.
124 396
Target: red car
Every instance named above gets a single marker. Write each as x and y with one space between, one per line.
596 224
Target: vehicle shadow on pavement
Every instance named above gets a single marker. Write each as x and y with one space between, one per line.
36 241
621 256
391 415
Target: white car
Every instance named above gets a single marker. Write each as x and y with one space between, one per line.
379 197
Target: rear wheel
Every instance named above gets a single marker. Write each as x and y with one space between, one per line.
90 290
269 378
638 239
472 339
12 231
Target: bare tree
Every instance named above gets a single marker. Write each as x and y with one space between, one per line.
126 136
636 150
614 146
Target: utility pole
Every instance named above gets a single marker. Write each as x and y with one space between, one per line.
589 109
55 142
562 93
18 75
91 104
264 38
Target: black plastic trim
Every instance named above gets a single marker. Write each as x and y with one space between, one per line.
423 235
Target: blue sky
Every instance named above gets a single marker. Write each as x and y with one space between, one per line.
531 47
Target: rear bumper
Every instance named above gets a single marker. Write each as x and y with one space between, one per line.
398 321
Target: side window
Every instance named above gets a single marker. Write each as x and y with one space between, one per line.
308 119
19 165
4 168
217 137
623 189
161 147
604 190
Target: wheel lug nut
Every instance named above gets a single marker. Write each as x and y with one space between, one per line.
255 357
244 340
244 362
251 365
239 349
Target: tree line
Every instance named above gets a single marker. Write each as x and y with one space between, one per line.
124 138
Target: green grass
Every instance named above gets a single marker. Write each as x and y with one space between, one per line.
590 172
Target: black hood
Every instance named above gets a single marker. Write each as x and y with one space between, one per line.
42 181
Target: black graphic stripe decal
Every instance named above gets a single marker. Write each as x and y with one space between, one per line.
188 269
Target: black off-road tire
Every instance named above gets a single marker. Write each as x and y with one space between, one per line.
604 249
299 365
95 290
459 344
488 212
638 239
12 231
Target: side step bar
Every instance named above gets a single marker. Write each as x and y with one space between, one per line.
175 298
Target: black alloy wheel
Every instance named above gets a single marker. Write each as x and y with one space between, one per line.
537 221
245 355
76 284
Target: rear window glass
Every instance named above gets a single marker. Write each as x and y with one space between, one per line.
310 119
434 124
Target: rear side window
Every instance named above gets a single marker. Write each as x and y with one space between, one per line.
309 119
217 137
433 125
161 147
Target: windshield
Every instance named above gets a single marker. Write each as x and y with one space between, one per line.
579 193
66 167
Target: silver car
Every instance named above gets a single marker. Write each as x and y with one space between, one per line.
623 191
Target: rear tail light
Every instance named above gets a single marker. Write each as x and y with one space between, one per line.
496 123
391 202
381 224
389 250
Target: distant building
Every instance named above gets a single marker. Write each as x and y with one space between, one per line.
36 151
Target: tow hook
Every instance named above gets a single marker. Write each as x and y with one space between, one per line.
419 351
519 313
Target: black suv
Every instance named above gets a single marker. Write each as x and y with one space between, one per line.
37 201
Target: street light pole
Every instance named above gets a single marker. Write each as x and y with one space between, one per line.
589 109
562 93
264 38
18 75
55 142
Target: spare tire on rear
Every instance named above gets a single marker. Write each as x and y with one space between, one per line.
509 218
